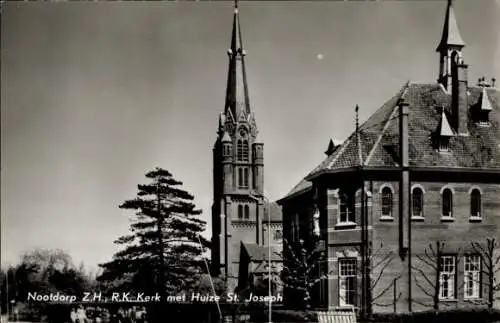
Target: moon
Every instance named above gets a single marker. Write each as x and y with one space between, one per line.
320 57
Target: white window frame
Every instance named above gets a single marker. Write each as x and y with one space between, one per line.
472 274
347 273
347 200
447 277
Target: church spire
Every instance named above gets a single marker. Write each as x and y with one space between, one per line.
450 47
237 89
451 35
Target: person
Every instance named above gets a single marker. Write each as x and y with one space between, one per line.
72 315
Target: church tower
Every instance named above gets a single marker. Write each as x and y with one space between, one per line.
450 48
238 169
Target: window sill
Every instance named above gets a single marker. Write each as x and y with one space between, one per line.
448 300
447 218
473 299
417 219
475 219
345 225
386 218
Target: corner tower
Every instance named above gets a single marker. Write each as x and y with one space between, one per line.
238 169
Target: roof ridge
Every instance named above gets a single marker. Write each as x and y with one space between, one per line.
401 92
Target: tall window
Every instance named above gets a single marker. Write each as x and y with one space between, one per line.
242 177
242 150
245 177
347 281
247 212
447 202
447 277
240 211
472 276
386 202
475 203
346 209
417 202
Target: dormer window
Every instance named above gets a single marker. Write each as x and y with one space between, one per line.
483 111
444 133
444 144
484 118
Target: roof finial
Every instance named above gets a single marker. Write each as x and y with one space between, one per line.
358 139
357 118
235 6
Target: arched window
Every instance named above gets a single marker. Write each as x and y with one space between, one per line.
475 203
447 202
417 202
247 212
346 209
386 201
240 211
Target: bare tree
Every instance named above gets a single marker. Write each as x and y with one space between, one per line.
430 282
301 268
490 269
378 261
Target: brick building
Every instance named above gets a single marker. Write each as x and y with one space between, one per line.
241 214
423 169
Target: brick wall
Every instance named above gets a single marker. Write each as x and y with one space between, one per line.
457 235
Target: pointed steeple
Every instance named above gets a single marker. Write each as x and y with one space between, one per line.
237 89
450 48
451 35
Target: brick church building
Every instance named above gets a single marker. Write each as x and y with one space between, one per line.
412 187
244 222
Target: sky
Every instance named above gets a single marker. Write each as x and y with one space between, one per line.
95 94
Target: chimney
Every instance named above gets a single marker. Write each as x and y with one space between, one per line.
493 80
404 191
403 132
459 98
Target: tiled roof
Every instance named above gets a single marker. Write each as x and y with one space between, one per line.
272 210
302 186
379 135
260 253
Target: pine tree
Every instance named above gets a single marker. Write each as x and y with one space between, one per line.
163 252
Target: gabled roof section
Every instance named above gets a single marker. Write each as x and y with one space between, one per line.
379 135
451 35
444 126
485 102
260 253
